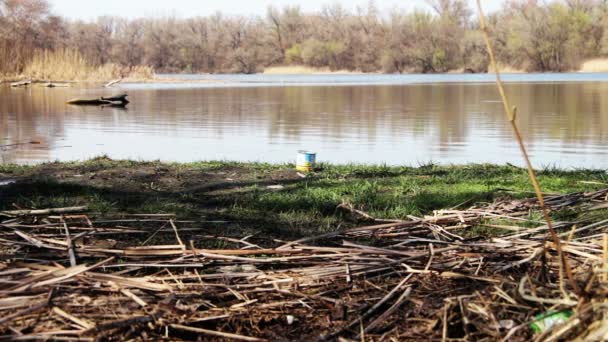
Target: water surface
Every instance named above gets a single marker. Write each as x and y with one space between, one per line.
406 119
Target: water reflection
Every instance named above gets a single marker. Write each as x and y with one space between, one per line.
563 123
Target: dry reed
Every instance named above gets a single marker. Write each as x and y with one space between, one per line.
505 69
587 301
70 65
511 114
70 277
595 65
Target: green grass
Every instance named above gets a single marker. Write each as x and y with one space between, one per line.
199 191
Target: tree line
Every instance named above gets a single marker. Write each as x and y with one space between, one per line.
544 36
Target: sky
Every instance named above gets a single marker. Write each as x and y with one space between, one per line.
89 9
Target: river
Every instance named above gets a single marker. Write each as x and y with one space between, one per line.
392 119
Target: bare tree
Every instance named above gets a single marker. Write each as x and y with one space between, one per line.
274 17
551 35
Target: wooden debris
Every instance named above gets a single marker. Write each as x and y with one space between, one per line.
55 85
411 280
216 333
50 211
24 83
113 82
116 101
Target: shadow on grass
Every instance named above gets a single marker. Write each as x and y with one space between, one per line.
301 207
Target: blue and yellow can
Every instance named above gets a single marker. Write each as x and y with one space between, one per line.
306 161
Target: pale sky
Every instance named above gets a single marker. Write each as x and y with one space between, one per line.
88 9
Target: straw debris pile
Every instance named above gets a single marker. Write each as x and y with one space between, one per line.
66 277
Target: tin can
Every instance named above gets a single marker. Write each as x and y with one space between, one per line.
306 161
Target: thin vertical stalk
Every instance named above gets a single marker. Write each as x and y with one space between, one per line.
512 116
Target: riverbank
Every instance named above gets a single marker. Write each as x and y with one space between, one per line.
307 70
144 75
256 252
274 200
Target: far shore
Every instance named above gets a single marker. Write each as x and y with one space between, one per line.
599 65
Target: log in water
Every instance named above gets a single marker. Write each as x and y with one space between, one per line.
21 84
118 100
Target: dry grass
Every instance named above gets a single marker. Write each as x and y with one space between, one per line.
505 69
303 70
595 65
70 65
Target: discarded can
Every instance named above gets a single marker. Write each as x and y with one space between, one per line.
306 161
547 320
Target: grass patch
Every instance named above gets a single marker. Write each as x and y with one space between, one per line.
239 192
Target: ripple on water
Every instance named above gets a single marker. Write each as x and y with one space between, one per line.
6 182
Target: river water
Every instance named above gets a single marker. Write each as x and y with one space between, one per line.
392 119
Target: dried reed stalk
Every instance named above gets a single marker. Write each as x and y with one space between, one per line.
511 113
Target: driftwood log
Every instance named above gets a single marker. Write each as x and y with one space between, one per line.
55 85
116 101
113 82
21 83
